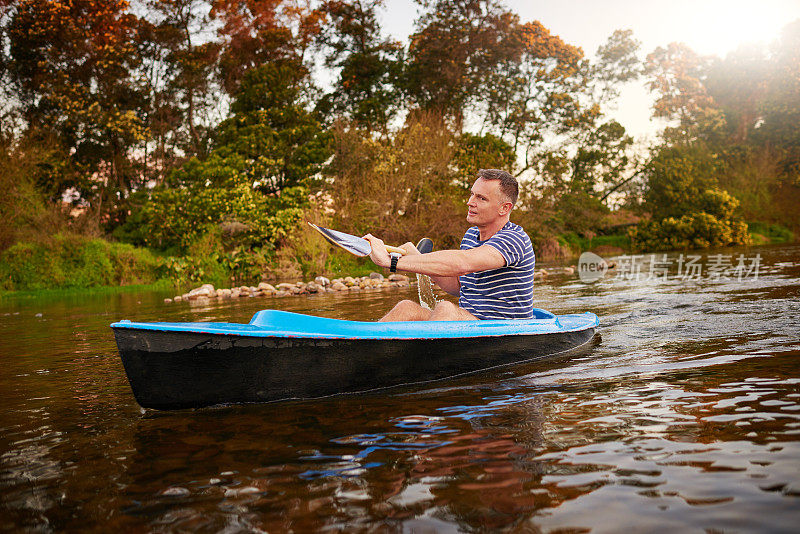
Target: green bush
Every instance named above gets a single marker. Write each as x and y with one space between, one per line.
770 233
176 218
70 261
699 230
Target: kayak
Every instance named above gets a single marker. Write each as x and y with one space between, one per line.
281 355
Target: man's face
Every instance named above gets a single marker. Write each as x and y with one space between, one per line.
486 202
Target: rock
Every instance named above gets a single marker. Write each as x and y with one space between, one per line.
226 293
285 286
282 293
349 281
322 281
338 286
236 492
168 301
178 298
569 270
235 292
175 491
403 283
397 277
354 288
312 287
263 286
376 276
206 290
220 293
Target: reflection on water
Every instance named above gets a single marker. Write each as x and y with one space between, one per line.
687 415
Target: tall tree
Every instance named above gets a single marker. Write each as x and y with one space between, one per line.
271 142
368 65
255 32
676 76
181 72
535 92
457 43
74 63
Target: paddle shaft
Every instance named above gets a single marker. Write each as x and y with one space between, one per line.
391 249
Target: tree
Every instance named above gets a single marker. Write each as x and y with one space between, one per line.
255 177
676 75
457 43
255 32
780 108
179 68
399 187
603 161
368 66
473 152
74 64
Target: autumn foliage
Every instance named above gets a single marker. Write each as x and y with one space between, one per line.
165 123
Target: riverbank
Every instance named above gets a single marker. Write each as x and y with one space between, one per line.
160 285
67 265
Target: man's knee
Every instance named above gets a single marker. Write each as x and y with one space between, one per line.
447 311
406 310
445 306
406 305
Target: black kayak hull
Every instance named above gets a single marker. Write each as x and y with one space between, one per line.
174 370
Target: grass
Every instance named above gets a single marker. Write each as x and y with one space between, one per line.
160 285
580 244
765 233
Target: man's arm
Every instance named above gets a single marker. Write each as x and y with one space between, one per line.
443 266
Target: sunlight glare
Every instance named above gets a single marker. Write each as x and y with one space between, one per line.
719 27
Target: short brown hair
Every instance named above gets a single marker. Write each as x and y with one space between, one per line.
508 184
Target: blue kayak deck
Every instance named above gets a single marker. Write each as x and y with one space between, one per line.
282 324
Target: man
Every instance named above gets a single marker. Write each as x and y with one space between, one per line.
492 274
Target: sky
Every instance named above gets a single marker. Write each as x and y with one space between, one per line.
709 27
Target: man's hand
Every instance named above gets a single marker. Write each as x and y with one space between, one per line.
410 249
378 255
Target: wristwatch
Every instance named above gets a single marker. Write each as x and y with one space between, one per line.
393 267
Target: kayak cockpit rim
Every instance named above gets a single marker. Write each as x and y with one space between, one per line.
282 324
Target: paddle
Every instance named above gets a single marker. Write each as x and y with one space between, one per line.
361 247
427 298
352 244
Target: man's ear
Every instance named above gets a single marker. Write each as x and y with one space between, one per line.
505 208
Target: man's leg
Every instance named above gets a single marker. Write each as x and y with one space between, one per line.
407 310
447 311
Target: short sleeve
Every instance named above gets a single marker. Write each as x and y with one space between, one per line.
507 245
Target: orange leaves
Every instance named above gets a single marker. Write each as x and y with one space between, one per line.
675 74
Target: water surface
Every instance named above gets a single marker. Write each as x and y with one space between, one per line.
685 417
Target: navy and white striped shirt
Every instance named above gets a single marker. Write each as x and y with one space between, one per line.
505 293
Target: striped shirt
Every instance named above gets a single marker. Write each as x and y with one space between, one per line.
505 293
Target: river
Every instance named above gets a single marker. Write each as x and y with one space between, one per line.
685 417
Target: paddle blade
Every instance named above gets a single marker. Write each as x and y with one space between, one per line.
427 297
350 243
